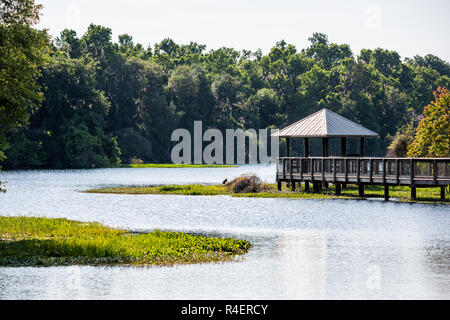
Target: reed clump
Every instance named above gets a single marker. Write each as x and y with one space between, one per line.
247 183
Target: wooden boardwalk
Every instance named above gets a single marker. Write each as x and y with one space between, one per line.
413 172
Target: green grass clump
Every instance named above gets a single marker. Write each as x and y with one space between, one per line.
401 193
26 241
188 189
171 165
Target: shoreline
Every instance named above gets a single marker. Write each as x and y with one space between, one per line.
135 166
399 193
172 165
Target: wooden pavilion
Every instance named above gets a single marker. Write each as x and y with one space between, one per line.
352 168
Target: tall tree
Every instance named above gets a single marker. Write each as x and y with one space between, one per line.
328 54
191 95
22 51
68 42
432 62
433 133
97 41
72 120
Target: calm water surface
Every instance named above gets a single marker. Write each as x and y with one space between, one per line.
312 249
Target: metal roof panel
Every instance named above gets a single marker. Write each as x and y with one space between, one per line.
325 123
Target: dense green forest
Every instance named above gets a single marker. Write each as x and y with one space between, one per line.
104 102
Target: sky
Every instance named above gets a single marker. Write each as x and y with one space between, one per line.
409 27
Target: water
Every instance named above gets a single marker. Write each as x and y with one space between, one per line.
303 249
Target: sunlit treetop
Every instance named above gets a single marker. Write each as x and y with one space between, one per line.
19 12
433 133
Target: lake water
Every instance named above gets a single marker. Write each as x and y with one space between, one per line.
303 249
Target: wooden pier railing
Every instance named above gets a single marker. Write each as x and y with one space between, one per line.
414 172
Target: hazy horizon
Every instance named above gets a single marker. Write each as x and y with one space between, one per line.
408 27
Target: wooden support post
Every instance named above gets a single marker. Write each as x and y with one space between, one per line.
334 170
434 171
307 186
442 193
301 169
346 172
288 147
411 175
338 189
291 164
291 183
322 164
371 170
386 192
361 147
325 164
343 147
325 147
279 185
361 190
306 147
397 169
317 186
413 192
358 168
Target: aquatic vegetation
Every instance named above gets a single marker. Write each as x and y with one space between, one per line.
30 241
400 193
189 189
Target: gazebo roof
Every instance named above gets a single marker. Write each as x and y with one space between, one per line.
323 124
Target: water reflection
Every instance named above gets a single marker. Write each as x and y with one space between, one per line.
319 265
302 265
437 262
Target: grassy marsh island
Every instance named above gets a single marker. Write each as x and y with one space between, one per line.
264 190
29 241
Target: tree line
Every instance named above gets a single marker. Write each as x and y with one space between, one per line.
91 102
